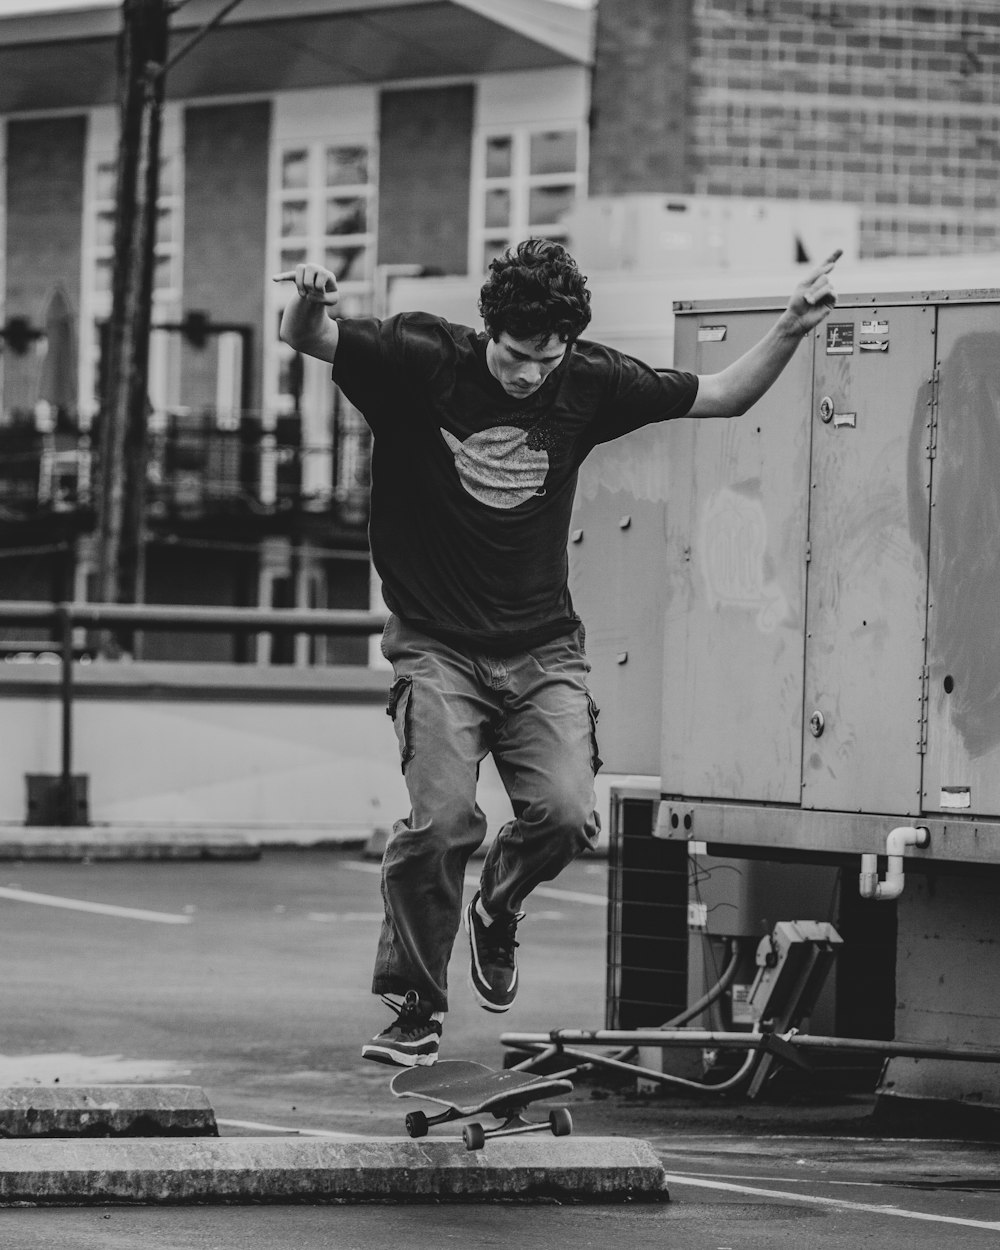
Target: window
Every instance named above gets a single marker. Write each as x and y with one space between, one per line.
325 208
167 269
325 213
527 180
322 210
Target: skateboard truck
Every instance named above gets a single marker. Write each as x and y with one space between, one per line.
474 1134
471 1089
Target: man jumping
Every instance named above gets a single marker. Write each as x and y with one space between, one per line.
478 438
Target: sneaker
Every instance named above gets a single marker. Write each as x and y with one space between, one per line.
411 1040
493 968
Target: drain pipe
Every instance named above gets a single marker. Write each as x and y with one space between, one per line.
895 845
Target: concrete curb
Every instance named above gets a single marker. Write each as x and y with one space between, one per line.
75 844
105 843
106 1111
169 842
254 1170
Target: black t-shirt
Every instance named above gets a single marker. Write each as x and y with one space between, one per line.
472 490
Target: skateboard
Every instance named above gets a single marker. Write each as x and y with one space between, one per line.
468 1089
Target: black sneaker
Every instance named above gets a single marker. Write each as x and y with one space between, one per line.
411 1040
493 967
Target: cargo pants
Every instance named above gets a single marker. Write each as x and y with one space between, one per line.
451 707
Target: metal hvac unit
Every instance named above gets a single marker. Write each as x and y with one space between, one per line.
796 610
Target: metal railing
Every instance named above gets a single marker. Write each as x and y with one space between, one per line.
64 618
194 468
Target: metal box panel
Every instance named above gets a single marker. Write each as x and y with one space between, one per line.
620 577
733 635
962 766
647 919
866 600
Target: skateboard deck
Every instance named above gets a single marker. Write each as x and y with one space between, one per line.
467 1089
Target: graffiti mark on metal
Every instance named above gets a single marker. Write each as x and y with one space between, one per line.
733 558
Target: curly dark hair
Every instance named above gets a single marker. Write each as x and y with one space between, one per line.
534 291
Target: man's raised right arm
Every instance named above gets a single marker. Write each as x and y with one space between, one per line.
306 324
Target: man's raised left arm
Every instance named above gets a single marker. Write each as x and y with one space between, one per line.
736 388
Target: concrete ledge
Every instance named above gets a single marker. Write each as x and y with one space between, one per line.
106 1111
255 1170
75 843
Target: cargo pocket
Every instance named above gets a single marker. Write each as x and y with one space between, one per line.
399 708
595 712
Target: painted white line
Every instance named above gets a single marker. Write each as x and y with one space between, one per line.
346 917
869 1208
569 896
548 891
98 909
740 1137
295 1132
791 1180
545 891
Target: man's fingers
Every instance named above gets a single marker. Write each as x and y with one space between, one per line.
319 286
822 270
820 294
816 289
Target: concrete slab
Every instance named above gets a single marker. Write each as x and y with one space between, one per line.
106 1111
95 843
255 1170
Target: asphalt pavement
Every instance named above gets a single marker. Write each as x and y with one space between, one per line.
250 981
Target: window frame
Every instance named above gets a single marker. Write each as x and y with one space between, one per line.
520 182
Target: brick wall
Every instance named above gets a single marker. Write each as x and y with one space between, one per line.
425 140
641 97
894 105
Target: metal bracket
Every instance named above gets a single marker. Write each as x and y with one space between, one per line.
934 382
922 718
781 1048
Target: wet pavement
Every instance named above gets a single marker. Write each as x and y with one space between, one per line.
250 980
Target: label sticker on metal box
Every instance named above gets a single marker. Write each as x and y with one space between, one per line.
874 345
712 334
874 327
956 796
840 338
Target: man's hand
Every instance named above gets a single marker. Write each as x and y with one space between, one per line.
814 298
313 283
733 390
306 323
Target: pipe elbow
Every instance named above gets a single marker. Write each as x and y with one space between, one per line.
892 886
904 836
896 842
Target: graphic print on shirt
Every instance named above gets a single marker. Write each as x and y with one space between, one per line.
497 466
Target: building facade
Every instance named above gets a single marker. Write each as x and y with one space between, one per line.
391 137
894 106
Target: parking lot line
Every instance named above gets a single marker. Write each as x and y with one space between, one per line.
869 1208
295 1132
344 917
545 891
98 909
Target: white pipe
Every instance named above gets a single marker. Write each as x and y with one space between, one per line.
895 846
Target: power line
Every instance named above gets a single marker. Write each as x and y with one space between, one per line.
198 36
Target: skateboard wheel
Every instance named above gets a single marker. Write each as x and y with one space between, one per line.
416 1124
561 1122
474 1136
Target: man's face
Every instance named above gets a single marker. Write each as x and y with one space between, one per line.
522 365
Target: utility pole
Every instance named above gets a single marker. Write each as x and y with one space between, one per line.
142 59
